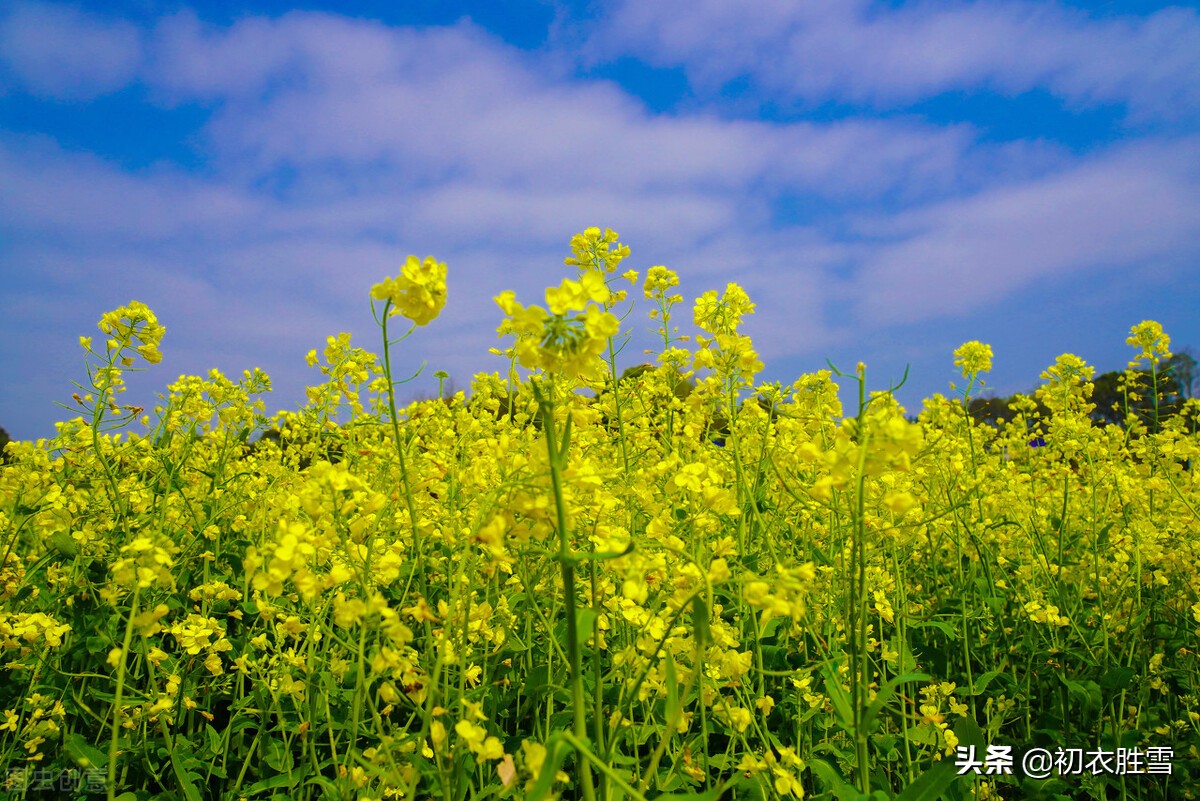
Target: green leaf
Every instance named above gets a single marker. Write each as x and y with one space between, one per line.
1119 678
983 681
1086 692
708 795
936 624
514 643
775 657
187 781
772 627
242 723
98 644
566 438
183 759
886 693
271 783
214 739
536 681
65 544
968 733
841 702
700 621
667 784
749 789
564 719
908 662
584 618
331 790
84 753
602 556
933 783
832 781
277 756
672 693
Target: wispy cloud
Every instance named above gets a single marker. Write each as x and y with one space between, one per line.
58 51
55 193
1127 209
857 51
453 104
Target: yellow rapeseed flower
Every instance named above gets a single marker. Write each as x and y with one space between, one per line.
418 293
129 324
596 252
1153 342
973 358
659 281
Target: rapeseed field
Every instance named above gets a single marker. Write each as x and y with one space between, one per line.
579 582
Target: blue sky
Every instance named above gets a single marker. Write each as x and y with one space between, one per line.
887 180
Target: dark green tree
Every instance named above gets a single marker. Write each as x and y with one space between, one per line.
1183 369
992 411
1150 397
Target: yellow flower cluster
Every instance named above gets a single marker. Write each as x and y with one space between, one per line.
784 767
349 612
560 342
418 293
973 358
1040 612
293 552
1153 343
722 315
18 630
883 443
783 596
478 741
38 723
129 324
215 591
729 354
593 251
196 634
659 282
936 700
145 563
347 369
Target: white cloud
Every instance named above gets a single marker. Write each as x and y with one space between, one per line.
58 51
859 52
472 109
1127 209
56 192
260 55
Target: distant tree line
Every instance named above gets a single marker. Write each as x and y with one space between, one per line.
1118 395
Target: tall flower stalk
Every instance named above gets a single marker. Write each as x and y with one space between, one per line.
419 294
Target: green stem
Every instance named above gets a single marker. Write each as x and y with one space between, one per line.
120 696
859 676
566 560
616 384
395 417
